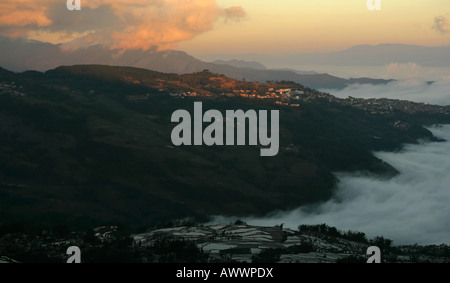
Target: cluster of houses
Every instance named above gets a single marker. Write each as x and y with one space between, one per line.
184 94
10 88
270 93
386 106
285 96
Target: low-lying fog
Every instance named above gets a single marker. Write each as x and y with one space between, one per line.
411 89
413 207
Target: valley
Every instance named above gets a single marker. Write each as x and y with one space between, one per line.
76 149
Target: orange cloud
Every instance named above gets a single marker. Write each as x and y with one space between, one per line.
25 18
23 13
120 24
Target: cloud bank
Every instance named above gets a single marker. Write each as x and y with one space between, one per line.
120 24
413 90
410 208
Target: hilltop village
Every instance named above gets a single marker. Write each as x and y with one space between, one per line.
295 97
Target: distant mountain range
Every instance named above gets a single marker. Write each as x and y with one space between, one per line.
258 66
361 55
242 64
21 55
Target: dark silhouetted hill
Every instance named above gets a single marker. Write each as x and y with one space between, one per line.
87 145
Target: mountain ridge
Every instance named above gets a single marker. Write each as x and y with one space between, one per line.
359 55
20 55
241 64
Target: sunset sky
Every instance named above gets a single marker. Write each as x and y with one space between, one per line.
324 25
229 26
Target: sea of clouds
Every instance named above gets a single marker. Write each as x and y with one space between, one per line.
412 207
437 92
